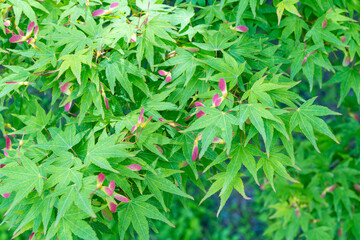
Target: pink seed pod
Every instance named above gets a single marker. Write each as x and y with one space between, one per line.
162 72
98 12
297 213
357 187
324 23
114 5
31 236
134 167
168 77
343 38
112 207
331 188
200 114
100 179
346 62
222 86
67 106
7 23
199 104
110 190
6 195
65 88
218 140
30 29
159 148
16 39
121 198
195 152
133 38
241 28
216 100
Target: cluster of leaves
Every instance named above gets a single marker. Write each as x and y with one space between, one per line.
140 83
326 203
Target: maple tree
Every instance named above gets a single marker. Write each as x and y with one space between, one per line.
110 109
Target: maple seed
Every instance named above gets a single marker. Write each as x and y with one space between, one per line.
110 190
195 152
134 167
324 23
104 96
8 145
7 23
241 28
346 62
6 195
114 5
222 86
306 57
31 236
100 180
216 100
121 198
133 38
112 207
167 74
98 12
139 122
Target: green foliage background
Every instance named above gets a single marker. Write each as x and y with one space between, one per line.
284 131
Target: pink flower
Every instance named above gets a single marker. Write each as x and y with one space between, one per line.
357 187
297 213
343 38
324 23
110 190
216 100
104 96
134 167
167 74
121 198
112 207
241 28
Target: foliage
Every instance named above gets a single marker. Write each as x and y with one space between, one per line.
110 109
